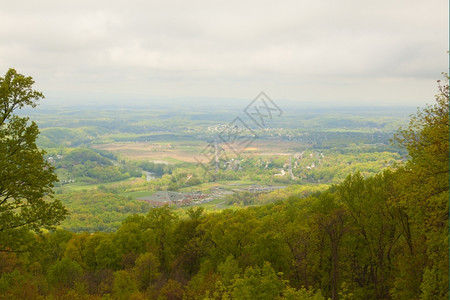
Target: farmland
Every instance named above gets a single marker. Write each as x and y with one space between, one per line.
136 154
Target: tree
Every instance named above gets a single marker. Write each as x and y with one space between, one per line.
107 255
123 285
146 270
331 219
65 272
162 222
172 290
26 178
375 232
258 283
424 183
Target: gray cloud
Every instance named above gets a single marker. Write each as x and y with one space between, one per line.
353 51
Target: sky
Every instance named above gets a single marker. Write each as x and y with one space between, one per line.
348 52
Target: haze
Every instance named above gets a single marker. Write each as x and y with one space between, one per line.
120 52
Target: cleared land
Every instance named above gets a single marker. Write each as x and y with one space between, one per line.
186 152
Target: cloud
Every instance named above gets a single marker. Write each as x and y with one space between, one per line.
175 48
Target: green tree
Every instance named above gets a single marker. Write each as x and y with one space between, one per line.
107 255
228 269
26 179
75 248
162 222
123 285
302 294
15 285
65 272
258 283
188 242
332 221
424 184
146 270
231 232
375 232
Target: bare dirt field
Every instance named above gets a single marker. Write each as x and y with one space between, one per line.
195 152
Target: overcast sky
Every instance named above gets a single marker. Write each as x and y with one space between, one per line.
350 51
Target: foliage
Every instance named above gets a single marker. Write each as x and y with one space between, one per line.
86 165
258 283
383 236
65 272
425 191
26 179
98 211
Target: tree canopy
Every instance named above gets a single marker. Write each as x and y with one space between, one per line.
26 179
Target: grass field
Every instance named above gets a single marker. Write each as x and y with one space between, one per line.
80 186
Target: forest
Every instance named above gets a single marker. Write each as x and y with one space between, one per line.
376 231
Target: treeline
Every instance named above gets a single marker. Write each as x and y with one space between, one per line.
97 210
89 166
158 169
354 241
86 127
